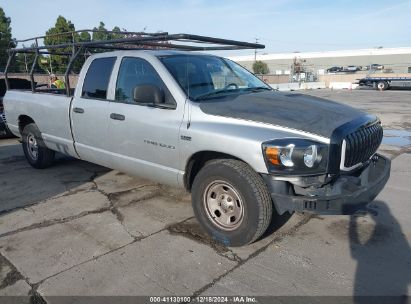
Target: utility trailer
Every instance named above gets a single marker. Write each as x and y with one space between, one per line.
385 83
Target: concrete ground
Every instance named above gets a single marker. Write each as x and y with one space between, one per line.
80 229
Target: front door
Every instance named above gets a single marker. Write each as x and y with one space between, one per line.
144 139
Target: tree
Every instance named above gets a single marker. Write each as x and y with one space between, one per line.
260 67
117 34
104 34
81 58
84 36
24 62
55 36
6 40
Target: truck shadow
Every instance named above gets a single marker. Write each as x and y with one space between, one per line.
276 223
383 256
21 185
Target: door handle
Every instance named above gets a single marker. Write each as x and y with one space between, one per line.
116 116
78 110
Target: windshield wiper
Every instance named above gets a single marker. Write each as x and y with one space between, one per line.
209 94
213 93
255 89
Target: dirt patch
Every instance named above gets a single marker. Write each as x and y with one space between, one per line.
12 159
405 124
192 230
118 215
12 276
51 222
360 230
125 198
176 194
392 154
36 298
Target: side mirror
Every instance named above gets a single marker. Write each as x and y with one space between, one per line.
148 94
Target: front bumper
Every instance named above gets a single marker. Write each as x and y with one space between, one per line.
345 195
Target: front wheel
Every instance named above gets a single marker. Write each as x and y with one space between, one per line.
231 202
36 152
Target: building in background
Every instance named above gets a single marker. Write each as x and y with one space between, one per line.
381 60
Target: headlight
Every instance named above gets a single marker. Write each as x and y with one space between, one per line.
295 156
311 156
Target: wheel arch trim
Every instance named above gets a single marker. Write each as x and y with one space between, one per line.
197 160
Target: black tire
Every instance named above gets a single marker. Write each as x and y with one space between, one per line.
44 156
253 193
382 85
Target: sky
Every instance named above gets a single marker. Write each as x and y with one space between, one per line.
282 25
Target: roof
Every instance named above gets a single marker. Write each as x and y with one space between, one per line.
157 53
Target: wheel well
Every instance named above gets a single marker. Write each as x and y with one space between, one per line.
24 120
198 161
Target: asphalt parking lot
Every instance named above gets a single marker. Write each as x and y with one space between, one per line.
81 229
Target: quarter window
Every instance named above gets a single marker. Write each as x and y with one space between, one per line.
97 78
134 72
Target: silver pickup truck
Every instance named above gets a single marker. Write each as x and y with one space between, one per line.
203 123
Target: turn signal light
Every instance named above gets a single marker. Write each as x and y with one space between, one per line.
273 155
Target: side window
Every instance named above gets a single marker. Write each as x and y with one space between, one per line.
134 72
97 78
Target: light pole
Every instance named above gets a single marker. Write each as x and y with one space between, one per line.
25 62
255 51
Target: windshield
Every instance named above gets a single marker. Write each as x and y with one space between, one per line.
203 76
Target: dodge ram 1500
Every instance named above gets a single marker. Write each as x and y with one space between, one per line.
205 124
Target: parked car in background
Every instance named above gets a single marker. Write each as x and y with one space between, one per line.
375 66
352 68
335 69
15 83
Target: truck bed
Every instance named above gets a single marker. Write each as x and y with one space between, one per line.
49 111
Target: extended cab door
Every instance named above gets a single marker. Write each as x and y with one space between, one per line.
90 111
144 139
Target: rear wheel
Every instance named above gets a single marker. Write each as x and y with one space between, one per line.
382 85
231 202
36 152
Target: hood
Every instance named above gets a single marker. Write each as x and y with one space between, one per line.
296 111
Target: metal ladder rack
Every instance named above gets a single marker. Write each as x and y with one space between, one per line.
129 41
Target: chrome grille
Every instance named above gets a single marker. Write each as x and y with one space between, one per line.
362 144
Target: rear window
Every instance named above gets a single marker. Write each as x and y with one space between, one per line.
97 78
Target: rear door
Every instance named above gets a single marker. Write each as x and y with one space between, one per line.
144 139
90 112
